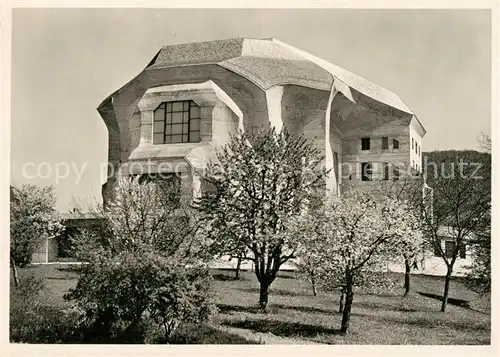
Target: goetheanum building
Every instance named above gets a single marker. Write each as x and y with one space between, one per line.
174 115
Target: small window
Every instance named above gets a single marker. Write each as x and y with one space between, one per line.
366 171
412 143
385 143
416 148
365 144
395 144
386 170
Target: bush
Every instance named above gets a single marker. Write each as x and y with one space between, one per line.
116 296
32 321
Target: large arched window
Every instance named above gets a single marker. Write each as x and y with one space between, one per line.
177 122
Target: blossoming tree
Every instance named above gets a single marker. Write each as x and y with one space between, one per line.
33 218
355 235
260 181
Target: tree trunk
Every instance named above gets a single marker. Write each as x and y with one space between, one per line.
446 289
238 267
346 314
341 302
407 277
313 283
264 294
14 272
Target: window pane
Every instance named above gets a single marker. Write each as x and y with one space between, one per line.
395 144
168 139
192 103
194 136
169 107
385 143
184 138
177 129
195 124
186 106
195 112
176 139
159 115
185 128
176 118
169 118
185 117
365 144
158 139
158 127
168 129
177 106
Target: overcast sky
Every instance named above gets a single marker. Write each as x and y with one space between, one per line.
66 61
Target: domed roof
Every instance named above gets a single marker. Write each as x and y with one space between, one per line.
270 62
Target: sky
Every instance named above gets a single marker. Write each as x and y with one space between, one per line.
66 61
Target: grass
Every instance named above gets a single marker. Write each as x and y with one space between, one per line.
295 315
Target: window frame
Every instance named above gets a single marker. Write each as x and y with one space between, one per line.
367 142
168 108
385 143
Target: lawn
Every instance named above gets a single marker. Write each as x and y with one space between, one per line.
296 316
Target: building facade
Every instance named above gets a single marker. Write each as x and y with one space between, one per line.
176 113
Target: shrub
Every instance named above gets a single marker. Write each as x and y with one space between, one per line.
32 321
116 295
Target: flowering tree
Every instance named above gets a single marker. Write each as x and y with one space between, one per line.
33 219
413 190
261 179
357 235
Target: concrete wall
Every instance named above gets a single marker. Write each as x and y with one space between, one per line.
47 252
304 111
355 122
415 157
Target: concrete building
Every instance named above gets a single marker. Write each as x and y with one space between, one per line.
175 114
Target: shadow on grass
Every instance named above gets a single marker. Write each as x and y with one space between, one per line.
282 328
457 302
389 307
278 292
226 277
227 309
427 322
272 308
453 301
308 309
